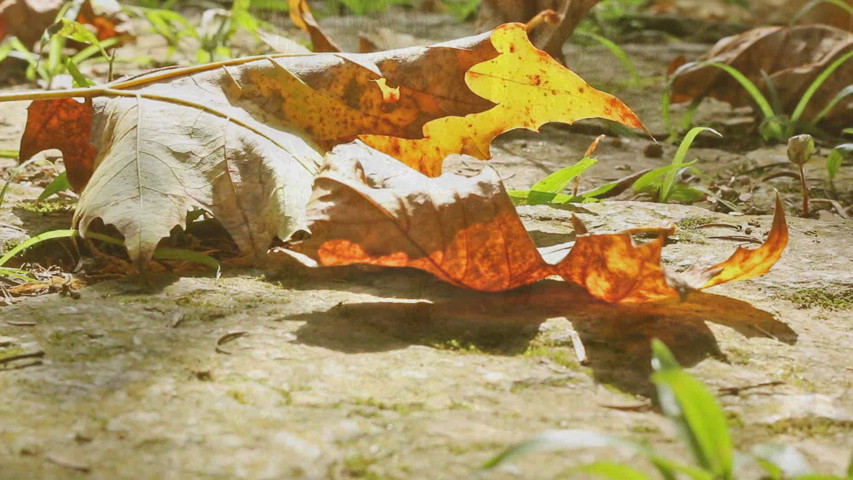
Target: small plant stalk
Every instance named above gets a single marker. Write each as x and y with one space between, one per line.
800 151
805 188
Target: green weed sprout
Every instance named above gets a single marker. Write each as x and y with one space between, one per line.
549 189
661 182
836 157
776 125
51 60
216 28
703 430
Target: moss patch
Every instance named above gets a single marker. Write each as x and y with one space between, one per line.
47 207
559 355
693 223
822 298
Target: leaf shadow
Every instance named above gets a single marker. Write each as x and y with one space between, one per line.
616 338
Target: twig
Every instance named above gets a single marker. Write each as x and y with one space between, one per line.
720 225
837 206
21 356
737 390
62 462
228 337
18 323
640 407
737 238
781 174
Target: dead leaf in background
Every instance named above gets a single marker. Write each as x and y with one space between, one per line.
45 119
548 37
241 138
764 12
28 19
790 56
300 15
368 209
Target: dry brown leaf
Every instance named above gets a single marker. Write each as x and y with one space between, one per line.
301 16
74 119
790 56
28 19
368 209
462 230
750 263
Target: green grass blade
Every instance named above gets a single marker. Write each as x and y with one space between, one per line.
559 180
600 190
159 254
560 440
678 160
80 80
35 241
836 157
17 274
650 179
668 469
685 400
617 52
14 173
841 95
59 184
850 467
818 81
9 153
751 88
613 471
784 459
772 92
188 256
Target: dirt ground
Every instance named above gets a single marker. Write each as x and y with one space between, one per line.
347 373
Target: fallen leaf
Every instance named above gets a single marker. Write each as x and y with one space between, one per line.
107 17
45 118
28 19
613 268
750 263
529 89
463 230
368 209
241 138
791 57
301 16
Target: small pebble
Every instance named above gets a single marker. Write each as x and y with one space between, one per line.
653 150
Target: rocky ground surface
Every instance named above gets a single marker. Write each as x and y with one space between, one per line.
359 373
